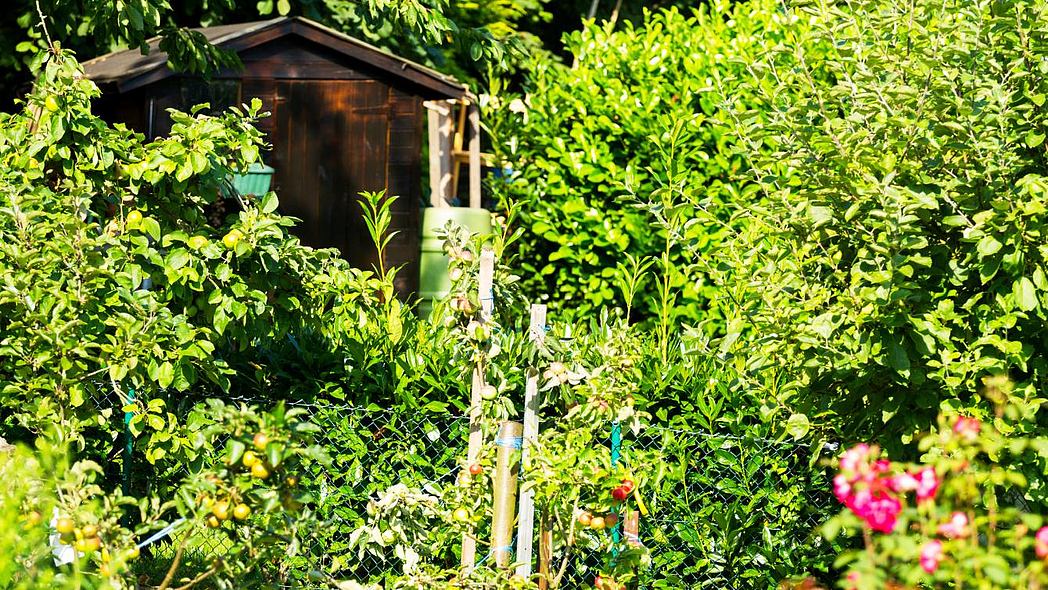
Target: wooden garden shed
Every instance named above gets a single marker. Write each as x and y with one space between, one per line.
346 117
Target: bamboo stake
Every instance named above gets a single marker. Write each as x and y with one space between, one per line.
505 493
526 518
476 437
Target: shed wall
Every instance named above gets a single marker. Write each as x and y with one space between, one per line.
335 130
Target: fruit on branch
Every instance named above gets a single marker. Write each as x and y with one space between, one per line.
249 459
260 470
597 523
619 493
461 514
628 485
220 510
241 512
475 469
212 521
489 392
558 368
133 219
64 525
231 239
260 441
585 518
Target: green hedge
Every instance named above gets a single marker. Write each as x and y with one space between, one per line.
635 111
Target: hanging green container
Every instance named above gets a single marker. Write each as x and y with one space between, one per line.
255 182
434 281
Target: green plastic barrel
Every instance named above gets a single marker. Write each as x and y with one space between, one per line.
434 282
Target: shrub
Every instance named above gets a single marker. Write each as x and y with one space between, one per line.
950 521
633 113
899 254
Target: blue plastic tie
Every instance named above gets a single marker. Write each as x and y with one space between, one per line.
512 442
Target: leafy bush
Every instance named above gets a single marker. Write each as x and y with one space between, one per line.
62 528
899 254
950 521
634 113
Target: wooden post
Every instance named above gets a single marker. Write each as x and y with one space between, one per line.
631 528
526 518
474 156
504 503
476 437
441 128
545 550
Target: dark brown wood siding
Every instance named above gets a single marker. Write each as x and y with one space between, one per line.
336 129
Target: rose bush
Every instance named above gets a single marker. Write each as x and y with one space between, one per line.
957 519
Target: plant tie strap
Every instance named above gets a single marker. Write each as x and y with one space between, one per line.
631 537
510 442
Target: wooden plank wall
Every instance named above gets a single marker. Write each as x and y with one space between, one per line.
335 131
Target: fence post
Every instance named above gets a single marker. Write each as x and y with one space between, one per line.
505 493
526 518
129 447
485 297
616 448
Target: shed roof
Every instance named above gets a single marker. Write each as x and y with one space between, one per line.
129 69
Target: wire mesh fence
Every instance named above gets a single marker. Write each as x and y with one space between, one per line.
731 513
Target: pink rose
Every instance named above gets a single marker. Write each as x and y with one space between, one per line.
842 488
931 555
967 428
854 457
957 528
879 509
1041 542
927 484
904 482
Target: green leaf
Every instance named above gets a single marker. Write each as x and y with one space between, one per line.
988 246
1026 294
798 426
150 227
270 202
234 451
897 358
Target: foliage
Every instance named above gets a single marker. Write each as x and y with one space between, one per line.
964 528
259 514
118 293
898 258
633 117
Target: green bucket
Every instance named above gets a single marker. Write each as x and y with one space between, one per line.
434 281
255 182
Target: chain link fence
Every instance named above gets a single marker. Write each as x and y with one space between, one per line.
731 513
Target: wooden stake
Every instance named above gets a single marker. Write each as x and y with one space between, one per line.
504 503
441 127
631 528
532 401
433 117
545 550
476 437
474 156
